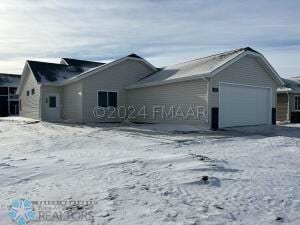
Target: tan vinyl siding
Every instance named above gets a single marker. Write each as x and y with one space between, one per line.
246 71
282 107
72 102
50 90
184 95
30 104
115 78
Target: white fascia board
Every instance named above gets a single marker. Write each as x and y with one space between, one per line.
23 77
276 75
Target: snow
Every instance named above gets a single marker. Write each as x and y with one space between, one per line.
18 119
192 68
149 174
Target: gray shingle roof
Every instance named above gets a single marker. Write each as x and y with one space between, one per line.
54 73
81 63
291 85
191 68
9 80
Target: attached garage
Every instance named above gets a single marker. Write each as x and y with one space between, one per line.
244 105
241 89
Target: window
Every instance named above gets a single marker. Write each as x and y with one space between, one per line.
112 99
52 102
107 99
12 90
27 93
102 98
32 91
12 93
297 102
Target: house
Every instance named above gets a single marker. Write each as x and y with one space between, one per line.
234 88
9 101
74 88
288 101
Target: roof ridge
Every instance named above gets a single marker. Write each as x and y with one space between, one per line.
85 60
222 53
34 61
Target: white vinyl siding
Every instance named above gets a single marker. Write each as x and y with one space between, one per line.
30 103
72 102
188 94
246 71
45 90
115 78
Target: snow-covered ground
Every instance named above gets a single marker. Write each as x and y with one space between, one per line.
144 174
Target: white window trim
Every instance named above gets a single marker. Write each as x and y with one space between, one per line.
296 96
107 98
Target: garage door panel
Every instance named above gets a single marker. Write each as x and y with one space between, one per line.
244 105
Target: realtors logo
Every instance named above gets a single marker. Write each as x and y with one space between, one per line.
21 211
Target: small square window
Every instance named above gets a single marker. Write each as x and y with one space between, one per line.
28 93
32 91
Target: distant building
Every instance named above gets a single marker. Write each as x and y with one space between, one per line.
9 100
288 101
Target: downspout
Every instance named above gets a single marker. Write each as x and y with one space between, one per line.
41 102
208 101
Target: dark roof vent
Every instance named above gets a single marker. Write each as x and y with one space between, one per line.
134 56
251 50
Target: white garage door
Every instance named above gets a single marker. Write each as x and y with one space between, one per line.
242 105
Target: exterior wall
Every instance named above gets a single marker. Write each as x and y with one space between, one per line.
282 107
72 102
115 78
49 90
246 71
30 104
183 95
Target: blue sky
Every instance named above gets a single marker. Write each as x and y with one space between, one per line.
162 31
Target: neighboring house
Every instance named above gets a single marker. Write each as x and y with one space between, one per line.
235 88
9 101
288 101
